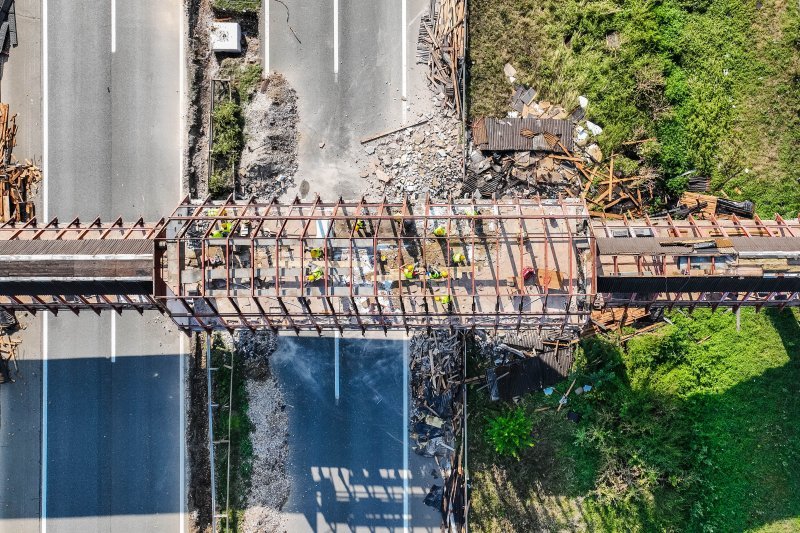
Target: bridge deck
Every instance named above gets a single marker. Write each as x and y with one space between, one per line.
248 264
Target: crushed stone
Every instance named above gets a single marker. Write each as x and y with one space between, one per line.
269 157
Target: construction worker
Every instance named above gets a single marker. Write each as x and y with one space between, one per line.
439 231
317 253
314 275
359 225
459 258
223 231
444 299
409 271
382 258
435 273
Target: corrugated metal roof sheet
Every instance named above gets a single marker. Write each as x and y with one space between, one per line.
505 134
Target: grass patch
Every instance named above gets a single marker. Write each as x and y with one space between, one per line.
692 428
716 82
226 147
240 7
244 77
241 458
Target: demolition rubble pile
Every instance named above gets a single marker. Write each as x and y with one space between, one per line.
426 158
17 179
525 361
269 488
437 368
440 45
541 148
269 158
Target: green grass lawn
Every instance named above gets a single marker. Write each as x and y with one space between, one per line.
692 428
715 82
241 451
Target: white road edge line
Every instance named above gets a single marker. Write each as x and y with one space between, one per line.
113 26
336 37
45 198
336 366
404 36
406 394
113 336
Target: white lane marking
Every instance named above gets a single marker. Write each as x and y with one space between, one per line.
406 393
43 522
265 70
336 367
336 37
404 36
113 26
45 112
113 336
182 433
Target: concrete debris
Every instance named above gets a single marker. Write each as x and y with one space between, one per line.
269 487
269 158
254 349
593 151
423 159
269 482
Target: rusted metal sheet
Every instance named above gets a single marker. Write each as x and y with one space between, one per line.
505 134
77 247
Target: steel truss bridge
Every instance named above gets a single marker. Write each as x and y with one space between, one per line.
527 263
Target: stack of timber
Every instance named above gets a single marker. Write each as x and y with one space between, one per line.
609 194
614 319
17 179
8 25
441 46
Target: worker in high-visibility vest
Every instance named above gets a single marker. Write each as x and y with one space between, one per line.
459 258
444 299
409 271
359 225
223 231
435 273
439 231
315 275
316 253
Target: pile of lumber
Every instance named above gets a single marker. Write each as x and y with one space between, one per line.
441 46
8 24
611 195
17 179
615 318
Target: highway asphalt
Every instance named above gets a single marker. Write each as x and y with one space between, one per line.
112 429
114 418
352 63
349 463
352 80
